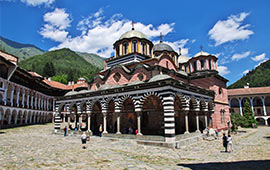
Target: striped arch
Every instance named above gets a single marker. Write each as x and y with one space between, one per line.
107 100
139 104
71 106
122 99
203 105
61 107
92 104
183 101
81 105
194 104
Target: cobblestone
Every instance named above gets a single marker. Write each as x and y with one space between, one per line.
36 147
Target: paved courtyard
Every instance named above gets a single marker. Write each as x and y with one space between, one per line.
36 147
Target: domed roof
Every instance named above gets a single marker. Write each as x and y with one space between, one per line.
182 59
132 33
70 93
162 47
201 53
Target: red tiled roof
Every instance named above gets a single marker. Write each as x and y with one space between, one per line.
249 91
35 74
64 86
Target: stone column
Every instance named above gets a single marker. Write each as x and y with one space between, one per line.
5 93
205 120
197 122
12 95
105 123
23 96
89 123
18 98
139 123
266 123
264 109
251 103
27 102
169 117
118 123
240 106
32 101
186 121
36 96
68 120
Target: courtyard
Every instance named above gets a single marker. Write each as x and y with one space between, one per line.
36 147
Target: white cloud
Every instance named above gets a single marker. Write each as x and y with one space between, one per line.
231 29
38 2
259 57
57 22
245 72
223 70
98 34
261 62
240 56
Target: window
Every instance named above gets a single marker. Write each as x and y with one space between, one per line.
222 116
209 63
117 51
134 46
144 48
97 85
167 64
220 91
195 66
140 76
125 48
116 77
202 64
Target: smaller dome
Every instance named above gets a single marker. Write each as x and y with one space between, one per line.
201 53
82 79
182 59
131 34
162 47
159 77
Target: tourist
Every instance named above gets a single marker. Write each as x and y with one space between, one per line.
100 130
225 142
130 130
136 131
83 138
65 131
229 140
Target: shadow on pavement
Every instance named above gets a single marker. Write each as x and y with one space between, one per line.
267 137
241 165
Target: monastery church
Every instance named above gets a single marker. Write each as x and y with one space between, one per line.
151 89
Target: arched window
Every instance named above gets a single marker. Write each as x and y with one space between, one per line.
202 64
140 76
117 51
134 46
167 64
209 63
195 66
144 51
125 48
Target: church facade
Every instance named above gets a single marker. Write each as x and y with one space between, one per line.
148 90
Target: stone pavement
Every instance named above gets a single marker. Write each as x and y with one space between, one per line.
36 147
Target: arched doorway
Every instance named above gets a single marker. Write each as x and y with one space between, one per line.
19 118
13 118
258 106
2 115
267 105
7 117
73 117
179 116
235 108
192 115
260 121
128 117
96 118
152 116
111 118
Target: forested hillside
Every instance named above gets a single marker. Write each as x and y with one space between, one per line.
258 77
62 65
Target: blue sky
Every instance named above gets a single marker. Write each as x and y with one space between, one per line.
237 31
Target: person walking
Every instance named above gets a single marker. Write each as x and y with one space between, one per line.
65 131
225 142
229 140
100 130
83 138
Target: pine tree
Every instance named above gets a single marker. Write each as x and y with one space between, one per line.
48 70
248 115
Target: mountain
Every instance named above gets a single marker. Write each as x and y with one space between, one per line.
93 59
60 64
22 51
258 77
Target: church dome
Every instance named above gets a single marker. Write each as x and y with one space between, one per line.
162 47
201 53
131 34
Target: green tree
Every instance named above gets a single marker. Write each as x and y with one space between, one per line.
48 70
248 115
60 78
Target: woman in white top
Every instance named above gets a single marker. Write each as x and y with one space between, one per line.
229 140
83 137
